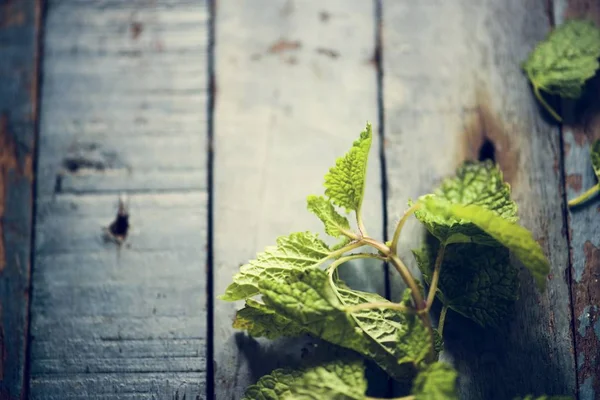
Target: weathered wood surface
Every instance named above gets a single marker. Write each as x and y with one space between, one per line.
123 110
295 86
581 128
452 81
19 25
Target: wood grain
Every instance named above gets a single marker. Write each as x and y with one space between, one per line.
452 81
123 111
581 128
295 88
19 28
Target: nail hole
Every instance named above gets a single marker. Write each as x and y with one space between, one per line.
120 225
487 151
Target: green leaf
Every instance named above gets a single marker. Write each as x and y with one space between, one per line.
261 321
566 59
345 183
595 154
476 281
397 342
436 382
518 239
477 183
297 251
335 224
339 379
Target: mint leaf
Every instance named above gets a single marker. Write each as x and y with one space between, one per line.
476 281
436 382
261 321
518 239
345 183
566 59
397 342
477 183
563 62
297 251
335 224
340 379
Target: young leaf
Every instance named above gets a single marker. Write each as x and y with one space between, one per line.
518 239
345 183
476 281
340 379
477 183
595 156
335 224
436 382
395 341
564 61
297 251
261 321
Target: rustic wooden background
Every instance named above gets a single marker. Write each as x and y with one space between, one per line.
213 121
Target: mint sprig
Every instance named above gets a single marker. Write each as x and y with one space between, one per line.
293 288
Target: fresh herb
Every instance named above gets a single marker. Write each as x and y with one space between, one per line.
473 226
591 192
564 61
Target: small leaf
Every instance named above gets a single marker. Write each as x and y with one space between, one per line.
397 342
476 281
566 59
335 224
518 239
297 251
345 183
261 321
436 382
477 183
341 378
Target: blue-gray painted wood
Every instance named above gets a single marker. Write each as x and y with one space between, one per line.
581 128
19 27
295 87
123 111
452 79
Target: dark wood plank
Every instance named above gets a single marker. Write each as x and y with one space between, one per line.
123 111
19 27
581 128
295 88
452 81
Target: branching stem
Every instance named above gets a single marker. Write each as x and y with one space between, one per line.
396 237
442 320
436 276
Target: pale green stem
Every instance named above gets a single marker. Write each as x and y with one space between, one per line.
536 91
396 237
351 257
442 320
395 398
591 192
361 225
436 276
345 249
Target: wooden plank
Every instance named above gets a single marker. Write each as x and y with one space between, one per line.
295 88
582 127
19 28
124 110
452 82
